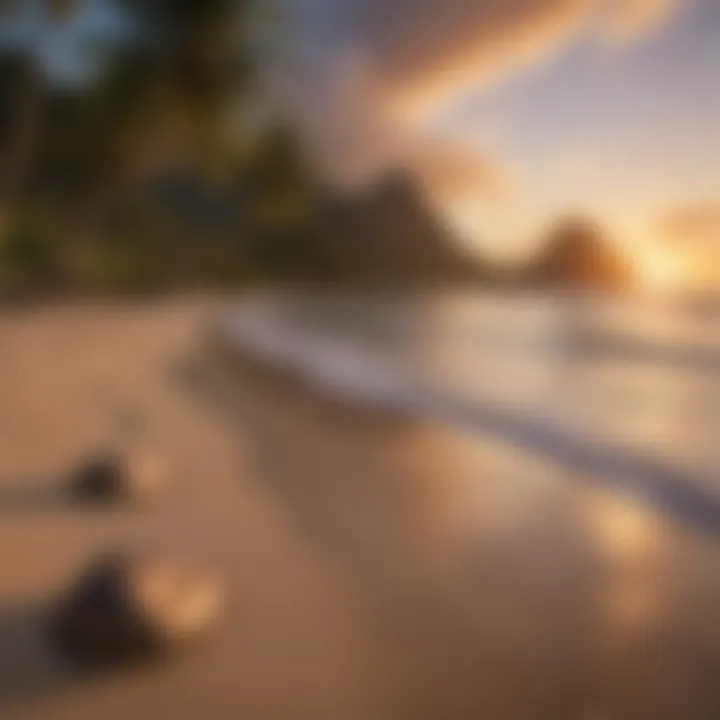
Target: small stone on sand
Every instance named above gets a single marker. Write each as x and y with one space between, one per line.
126 609
132 476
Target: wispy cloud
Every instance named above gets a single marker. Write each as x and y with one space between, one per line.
624 20
696 226
364 78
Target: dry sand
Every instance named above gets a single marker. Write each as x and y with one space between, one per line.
380 567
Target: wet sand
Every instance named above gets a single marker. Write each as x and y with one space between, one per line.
381 566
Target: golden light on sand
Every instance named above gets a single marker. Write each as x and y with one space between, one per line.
624 530
629 539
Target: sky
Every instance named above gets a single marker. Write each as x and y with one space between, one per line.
62 45
629 133
513 113
516 112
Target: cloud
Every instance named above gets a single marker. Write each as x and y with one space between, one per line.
626 19
425 54
364 78
692 226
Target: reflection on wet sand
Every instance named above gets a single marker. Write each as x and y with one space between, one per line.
628 541
498 583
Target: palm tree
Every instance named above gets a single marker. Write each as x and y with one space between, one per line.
35 24
182 76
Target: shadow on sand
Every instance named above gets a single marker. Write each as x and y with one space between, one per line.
29 670
21 496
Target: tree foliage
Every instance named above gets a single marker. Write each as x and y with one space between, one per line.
152 170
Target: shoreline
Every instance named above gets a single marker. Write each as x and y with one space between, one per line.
265 340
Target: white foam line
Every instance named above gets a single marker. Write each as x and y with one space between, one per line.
356 374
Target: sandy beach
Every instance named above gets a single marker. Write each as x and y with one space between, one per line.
380 566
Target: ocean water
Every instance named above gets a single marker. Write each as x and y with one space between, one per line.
625 391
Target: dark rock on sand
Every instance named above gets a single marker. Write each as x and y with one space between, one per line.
127 609
117 476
